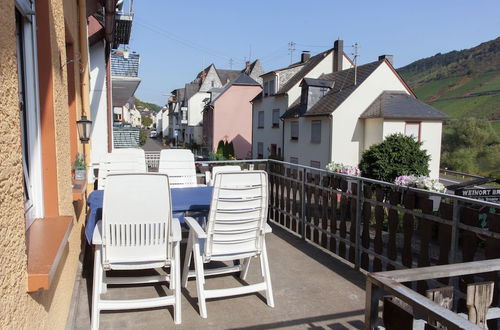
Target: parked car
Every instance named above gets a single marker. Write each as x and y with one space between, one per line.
153 134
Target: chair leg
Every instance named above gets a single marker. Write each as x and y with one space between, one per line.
245 266
200 280
104 284
267 275
96 288
187 259
175 269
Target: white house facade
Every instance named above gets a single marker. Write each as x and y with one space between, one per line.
280 90
355 111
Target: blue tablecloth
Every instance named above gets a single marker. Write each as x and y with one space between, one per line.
183 199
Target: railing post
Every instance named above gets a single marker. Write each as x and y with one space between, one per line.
454 243
303 204
359 194
372 296
454 231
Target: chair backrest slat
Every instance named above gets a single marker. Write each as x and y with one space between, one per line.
137 217
179 165
238 213
128 160
219 169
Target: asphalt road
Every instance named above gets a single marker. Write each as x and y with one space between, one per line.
153 144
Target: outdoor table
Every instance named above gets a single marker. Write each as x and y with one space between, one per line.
194 199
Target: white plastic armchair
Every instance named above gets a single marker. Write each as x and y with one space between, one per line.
235 230
137 231
128 160
179 165
219 169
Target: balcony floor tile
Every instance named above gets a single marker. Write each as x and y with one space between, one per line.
312 290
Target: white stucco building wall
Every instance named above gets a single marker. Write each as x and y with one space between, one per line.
98 104
269 135
345 136
348 130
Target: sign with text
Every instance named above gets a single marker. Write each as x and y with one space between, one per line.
485 194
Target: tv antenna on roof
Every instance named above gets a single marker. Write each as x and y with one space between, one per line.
355 54
291 49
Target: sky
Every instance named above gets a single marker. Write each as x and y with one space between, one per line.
177 39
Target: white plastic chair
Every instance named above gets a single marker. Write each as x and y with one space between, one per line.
127 160
235 230
137 231
219 169
179 165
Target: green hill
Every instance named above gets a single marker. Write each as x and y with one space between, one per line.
462 83
151 106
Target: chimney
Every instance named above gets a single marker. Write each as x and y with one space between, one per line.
305 56
338 55
203 75
389 58
247 67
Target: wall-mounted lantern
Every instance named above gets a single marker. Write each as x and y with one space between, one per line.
84 127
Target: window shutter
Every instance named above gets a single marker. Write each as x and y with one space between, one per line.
316 131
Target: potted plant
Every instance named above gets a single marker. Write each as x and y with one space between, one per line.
345 169
79 166
423 182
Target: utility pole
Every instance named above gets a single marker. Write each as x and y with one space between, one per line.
356 54
231 61
291 49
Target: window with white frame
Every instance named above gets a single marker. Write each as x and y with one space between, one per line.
413 129
260 150
294 130
276 118
316 131
260 118
315 164
29 109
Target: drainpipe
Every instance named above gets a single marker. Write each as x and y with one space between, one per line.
283 138
109 106
84 67
109 24
330 142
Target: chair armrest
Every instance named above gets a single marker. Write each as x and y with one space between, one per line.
267 229
176 230
97 235
195 227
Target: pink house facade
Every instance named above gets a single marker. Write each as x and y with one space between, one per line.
228 116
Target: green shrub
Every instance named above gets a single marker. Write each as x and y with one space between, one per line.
396 155
230 149
220 148
143 136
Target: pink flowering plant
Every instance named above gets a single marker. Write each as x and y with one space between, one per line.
344 169
421 182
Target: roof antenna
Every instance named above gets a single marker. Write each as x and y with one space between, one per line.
355 54
231 63
291 49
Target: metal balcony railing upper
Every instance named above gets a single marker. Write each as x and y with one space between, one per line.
378 226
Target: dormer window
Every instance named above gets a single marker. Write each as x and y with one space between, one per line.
312 91
269 87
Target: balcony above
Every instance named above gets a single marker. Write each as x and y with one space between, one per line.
123 28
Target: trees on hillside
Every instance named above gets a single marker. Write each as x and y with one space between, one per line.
470 145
